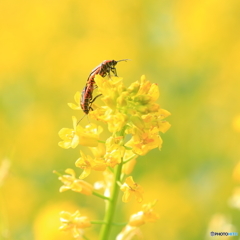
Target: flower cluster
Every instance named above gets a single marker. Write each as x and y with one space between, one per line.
135 122
133 110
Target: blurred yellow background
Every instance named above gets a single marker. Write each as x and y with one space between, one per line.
190 48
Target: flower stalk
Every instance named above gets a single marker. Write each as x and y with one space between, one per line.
131 111
111 205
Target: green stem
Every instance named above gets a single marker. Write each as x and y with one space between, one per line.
111 205
101 196
98 222
129 159
119 224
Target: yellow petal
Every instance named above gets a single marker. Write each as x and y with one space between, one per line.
74 119
70 171
126 196
164 126
75 141
83 222
99 166
85 173
63 188
129 181
65 216
74 106
65 133
65 145
137 219
139 196
77 97
154 92
82 187
88 140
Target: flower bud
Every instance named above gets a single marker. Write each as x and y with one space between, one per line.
133 88
142 99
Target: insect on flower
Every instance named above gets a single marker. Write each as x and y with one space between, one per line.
86 99
103 69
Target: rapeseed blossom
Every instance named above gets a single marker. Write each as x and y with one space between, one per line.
88 136
135 122
76 185
87 163
74 223
133 111
131 188
146 215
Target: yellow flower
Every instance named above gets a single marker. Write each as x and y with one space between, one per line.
129 232
133 108
87 163
74 223
153 92
156 119
69 136
144 85
143 143
101 113
144 216
133 88
113 158
111 88
98 151
117 122
76 185
87 136
163 113
114 151
131 188
77 98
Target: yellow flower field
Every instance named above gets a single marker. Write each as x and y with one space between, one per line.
184 71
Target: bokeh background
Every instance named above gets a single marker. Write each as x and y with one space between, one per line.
190 48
